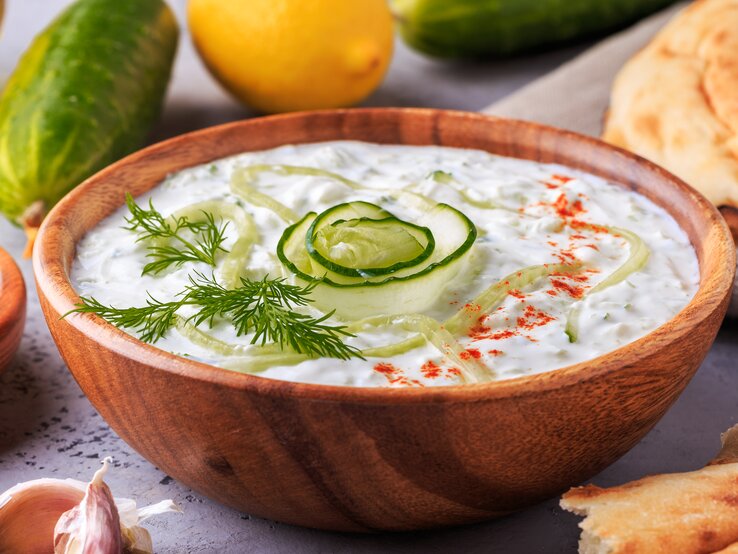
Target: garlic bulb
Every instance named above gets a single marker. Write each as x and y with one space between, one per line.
67 516
29 511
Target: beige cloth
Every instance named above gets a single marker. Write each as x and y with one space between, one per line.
575 96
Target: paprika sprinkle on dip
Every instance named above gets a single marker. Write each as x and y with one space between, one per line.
470 353
559 285
396 376
430 370
564 208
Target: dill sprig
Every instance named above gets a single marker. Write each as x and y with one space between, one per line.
266 308
151 321
207 241
263 307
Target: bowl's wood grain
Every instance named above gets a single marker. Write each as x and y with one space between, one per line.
730 213
12 308
361 458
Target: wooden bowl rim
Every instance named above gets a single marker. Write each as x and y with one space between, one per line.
12 300
54 284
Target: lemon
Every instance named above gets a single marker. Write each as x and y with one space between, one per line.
288 55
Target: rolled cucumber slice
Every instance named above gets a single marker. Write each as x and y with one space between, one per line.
405 290
367 247
360 239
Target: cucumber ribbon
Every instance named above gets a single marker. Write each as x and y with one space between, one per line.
233 266
637 259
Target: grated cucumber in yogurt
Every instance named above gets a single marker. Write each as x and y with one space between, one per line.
612 266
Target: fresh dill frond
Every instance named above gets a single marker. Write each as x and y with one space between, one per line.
150 225
266 308
263 307
151 322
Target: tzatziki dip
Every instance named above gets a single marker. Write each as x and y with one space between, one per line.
349 263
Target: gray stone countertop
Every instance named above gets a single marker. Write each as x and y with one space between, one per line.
49 429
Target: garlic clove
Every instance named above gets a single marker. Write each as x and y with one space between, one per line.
29 511
92 526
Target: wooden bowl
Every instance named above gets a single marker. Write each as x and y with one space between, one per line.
361 459
12 308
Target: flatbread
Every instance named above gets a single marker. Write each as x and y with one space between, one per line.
676 101
688 513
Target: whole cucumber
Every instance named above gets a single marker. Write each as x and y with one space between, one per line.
85 94
498 28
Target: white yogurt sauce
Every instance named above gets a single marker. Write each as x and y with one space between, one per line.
525 335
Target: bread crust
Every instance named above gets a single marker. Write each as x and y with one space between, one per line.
676 101
685 513
689 513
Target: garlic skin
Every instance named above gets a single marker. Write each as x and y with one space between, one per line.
29 511
136 539
93 526
83 516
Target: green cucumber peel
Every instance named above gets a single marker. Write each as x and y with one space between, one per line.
235 260
258 358
85 93
252 172
241 186
374 243
432 331
472 370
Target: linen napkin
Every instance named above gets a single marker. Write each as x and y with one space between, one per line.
576 95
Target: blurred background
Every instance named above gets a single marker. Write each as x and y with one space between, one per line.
196 100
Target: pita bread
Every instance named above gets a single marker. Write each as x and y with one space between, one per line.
676 101
688 513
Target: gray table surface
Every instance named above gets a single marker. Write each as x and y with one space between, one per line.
49 429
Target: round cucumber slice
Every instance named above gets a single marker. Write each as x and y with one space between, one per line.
360 239
406 289
369 247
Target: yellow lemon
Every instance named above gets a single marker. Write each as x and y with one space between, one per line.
287 55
